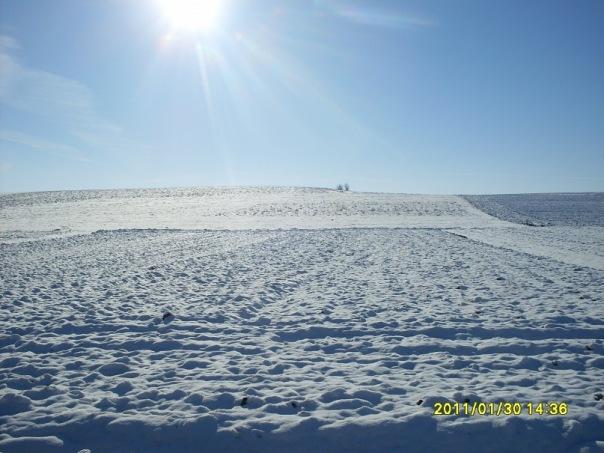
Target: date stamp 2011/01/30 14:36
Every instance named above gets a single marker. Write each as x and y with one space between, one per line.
500 408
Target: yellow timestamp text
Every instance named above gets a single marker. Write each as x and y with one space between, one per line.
500 408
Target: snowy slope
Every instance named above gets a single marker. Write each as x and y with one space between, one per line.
234 208
543 209
337 339
582 246
570 226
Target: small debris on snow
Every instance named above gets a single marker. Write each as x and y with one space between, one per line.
244 401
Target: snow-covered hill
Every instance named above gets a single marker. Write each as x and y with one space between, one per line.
295 320
232 209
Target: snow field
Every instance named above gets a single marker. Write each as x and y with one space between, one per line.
28 215
272 319
332 340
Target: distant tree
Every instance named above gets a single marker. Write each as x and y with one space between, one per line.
340 187
346 187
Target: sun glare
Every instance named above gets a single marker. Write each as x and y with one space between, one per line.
192 15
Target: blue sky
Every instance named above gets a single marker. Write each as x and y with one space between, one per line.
397 96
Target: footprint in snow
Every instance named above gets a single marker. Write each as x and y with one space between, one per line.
598 396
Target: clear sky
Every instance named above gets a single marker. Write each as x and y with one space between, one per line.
399 96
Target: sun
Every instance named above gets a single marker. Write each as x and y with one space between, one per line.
192 15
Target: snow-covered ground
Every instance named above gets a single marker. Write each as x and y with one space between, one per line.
542 209
238 208
300 320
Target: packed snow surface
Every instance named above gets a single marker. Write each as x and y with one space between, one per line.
293 320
